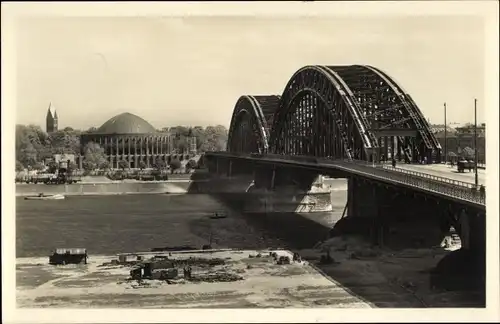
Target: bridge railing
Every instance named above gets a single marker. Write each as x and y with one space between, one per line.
449 187
453 188
431 177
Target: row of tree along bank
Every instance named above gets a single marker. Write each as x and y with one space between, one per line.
34 146
161 171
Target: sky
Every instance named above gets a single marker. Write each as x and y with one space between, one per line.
191 70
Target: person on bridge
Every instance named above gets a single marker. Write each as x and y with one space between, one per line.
393 162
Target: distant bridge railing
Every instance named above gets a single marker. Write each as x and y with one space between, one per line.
445 186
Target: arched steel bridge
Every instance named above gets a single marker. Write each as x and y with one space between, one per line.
340 112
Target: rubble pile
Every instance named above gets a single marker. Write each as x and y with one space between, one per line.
200 262
175 271
216 277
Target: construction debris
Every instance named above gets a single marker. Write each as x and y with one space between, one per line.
283 260
65 256
173 248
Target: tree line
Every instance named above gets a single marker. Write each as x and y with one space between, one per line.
33 145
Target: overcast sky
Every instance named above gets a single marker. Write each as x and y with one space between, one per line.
191 71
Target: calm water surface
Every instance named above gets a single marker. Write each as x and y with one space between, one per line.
113 224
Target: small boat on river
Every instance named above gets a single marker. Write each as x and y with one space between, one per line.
219 214
45 197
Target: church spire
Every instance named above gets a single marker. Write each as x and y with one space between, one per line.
49 111
51 119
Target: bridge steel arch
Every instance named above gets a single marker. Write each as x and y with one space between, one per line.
252 117
416 114
341 112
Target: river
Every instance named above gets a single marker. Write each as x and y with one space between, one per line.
107 225
125 223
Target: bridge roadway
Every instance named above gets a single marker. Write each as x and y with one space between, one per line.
431 181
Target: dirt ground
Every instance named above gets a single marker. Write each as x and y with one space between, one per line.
390 278
359 276
264 284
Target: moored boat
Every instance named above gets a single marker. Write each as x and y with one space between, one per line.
219 214
45 197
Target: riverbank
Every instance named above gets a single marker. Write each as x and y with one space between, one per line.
174 186
259 282
108 225
109 188
358 276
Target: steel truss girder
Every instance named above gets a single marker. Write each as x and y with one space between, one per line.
377 101
317 116
250 124
333 111
411 105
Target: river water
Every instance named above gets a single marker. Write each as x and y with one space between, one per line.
127 223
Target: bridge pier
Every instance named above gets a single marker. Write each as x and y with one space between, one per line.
390 215
287 190
274 190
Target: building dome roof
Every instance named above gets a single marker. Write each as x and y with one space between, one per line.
126 123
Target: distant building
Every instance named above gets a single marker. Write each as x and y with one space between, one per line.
51 121
127 137
192 145
62 160
460 140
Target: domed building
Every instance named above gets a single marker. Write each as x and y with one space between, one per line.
127 137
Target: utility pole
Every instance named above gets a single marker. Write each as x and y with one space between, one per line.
445 137
475 142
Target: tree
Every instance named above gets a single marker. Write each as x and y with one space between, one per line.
72 166
123 164
160 164
468 152
52 167
28 155
65 142
216 139
38 166
105 165
175 164
19 166
94 156
30 142
91 130
191 164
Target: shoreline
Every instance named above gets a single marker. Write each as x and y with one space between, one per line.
174 186
182 186
93 194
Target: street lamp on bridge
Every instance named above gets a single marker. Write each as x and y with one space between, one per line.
475 143
445 137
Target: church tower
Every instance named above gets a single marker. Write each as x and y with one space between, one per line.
51 120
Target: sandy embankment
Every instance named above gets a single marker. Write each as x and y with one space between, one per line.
263 283
390 278
359 276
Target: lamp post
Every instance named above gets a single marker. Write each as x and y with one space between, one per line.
475 143
445 138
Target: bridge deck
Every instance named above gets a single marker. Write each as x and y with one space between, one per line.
419 177
445 171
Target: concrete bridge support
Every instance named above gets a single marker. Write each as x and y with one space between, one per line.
391 215
287 190
403 218
274 189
